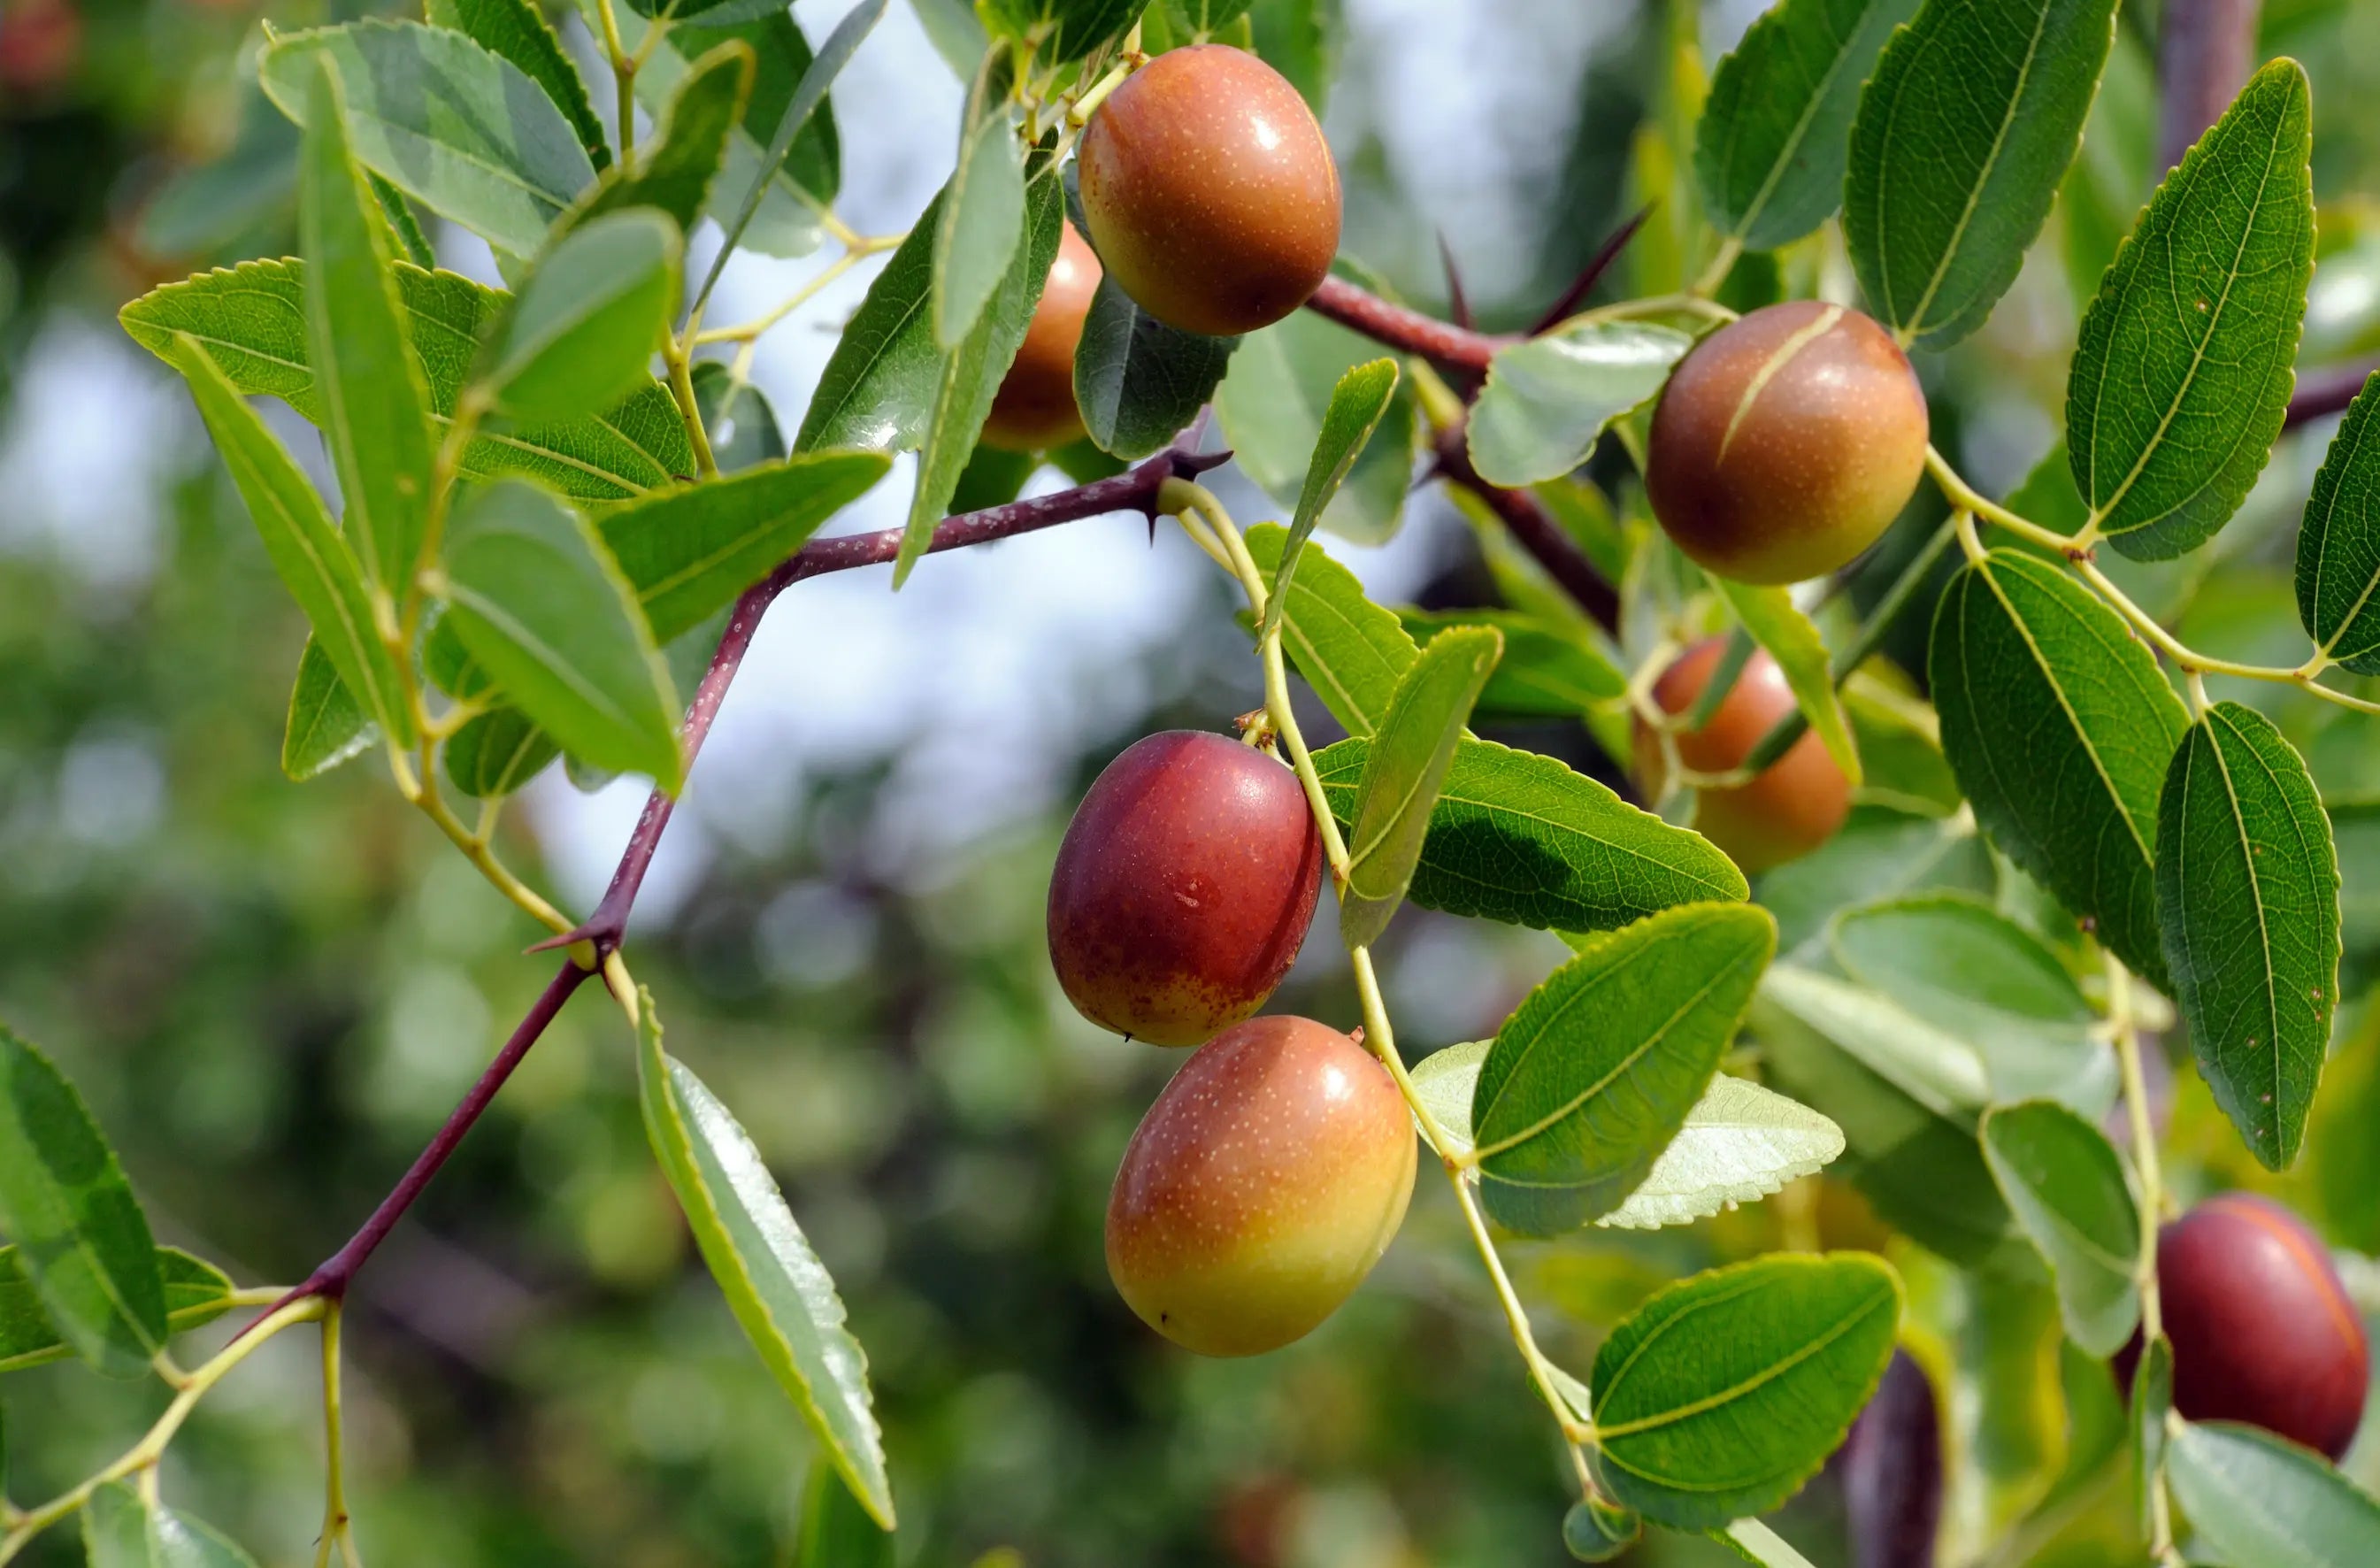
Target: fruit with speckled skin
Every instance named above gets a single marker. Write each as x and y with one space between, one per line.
1786 443
1209 191
1260 1188
2262 1331
1784 811
1182 888
1035 409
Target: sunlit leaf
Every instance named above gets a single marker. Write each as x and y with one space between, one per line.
675 171
121 1529
1550 669
1792 638
1722 1394
1961 138
196 1293
1403 770
1548 398
1357 403
778 1289
2248 898
1272 402
1597 1071
325 726
582 331
2256 1501
518 30
79 1235
980 226
1350 651
2182 376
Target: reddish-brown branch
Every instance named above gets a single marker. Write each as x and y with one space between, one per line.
2205 51
1442 343
1528 521
1134 489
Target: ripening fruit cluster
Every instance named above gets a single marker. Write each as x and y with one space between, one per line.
1211 202
1274 1170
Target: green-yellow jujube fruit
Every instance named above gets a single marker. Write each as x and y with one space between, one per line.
1786 443
1260 1188
1209 191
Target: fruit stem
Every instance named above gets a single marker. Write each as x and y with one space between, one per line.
1378 1036
2125 1029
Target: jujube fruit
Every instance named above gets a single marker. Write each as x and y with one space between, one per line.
1034 408
1209 191
2262 1331
1260 1188
1182 888
1786 443
1785 810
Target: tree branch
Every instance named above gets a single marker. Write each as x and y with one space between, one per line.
1444 344
1134 489
2205 52
1535 528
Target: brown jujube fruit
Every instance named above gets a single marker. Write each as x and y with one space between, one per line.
1182 888
1786 443
1260 1188
1034 408
1209 191
2262 1331
1783 812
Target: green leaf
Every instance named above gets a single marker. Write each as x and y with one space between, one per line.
1961 138
1068 29
835 1531
1756 1542
744 429
2152 1396
2059 725
878 389
496 753
121 1530
404 228
1407 765
1517 836
792 88
2256 1501
791 183
1548 670
541 605
1272 402
196 1293
1351 652
459 130
689 552
2182 376
1722 1394
1302 40
675 171
2247 886
325 726
1739 1144
1792 638
312 559
1548 398
1597 1071
1357 403
982 222
2339 542
971 374
1138 381
1916 1054
518 30
376 416
775 1284
80 1234
1775 134
2067 1186
1970 971
581 333
1444 1081
1920 1167
251 319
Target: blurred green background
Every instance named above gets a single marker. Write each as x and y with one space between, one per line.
272 993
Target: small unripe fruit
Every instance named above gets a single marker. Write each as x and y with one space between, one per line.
2262 1331
1184 887
1209 191
1785 810
1260 1188
1786 443
1035 409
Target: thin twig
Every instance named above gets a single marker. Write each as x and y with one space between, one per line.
1528 521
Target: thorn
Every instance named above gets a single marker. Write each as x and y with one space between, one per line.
1457 305
1592 273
